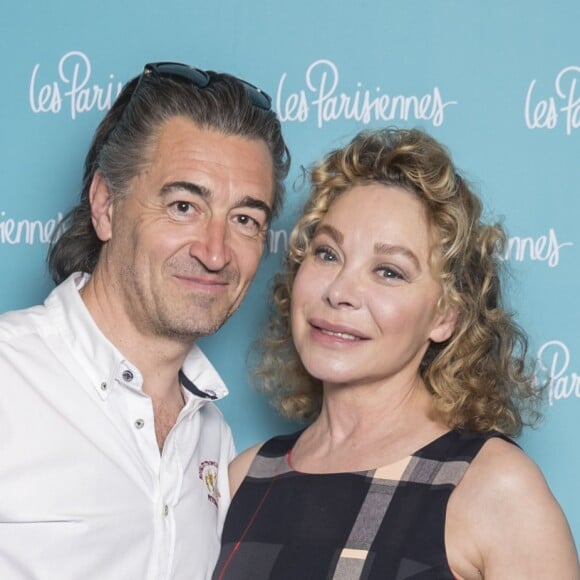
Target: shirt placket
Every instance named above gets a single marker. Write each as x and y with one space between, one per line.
141 421
170 483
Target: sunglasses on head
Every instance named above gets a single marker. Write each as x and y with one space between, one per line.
201 79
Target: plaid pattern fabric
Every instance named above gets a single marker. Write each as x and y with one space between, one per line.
387 523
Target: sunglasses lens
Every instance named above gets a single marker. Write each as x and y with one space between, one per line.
180 72
258 97
200 78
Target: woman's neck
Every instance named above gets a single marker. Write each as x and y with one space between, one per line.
359 429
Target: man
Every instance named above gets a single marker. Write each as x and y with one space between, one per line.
113 457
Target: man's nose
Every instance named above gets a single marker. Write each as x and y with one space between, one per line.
212 246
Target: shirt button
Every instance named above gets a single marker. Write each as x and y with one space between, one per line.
139 423
165 510
103 386
128 376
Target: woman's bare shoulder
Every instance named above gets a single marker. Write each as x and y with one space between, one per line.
503 471
506 519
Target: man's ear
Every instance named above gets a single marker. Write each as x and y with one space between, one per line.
444 324
101 207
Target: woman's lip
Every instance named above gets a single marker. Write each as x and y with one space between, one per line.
338 330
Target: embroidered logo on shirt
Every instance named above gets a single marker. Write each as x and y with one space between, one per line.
208 473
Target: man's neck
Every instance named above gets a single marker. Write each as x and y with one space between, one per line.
158 358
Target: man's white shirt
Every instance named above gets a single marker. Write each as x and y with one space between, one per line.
84 491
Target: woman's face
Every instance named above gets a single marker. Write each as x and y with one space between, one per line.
365 298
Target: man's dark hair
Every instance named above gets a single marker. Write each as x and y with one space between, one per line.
121 143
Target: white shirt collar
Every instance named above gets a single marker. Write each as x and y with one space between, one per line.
102 360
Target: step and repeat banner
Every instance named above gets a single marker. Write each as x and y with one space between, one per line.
497 82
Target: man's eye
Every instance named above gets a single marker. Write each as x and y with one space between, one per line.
248 224
183 210
182 206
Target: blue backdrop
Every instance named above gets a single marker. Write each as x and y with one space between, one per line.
498 82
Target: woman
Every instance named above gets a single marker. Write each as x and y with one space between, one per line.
392 340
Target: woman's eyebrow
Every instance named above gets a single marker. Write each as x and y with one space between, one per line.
382 248
330 231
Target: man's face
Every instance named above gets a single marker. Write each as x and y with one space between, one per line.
185 242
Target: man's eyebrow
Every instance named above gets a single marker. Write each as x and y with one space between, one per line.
188 186
381 248
256 203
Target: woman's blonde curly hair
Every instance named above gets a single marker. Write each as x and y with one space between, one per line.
479 377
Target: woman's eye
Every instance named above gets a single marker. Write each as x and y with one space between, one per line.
324 254
390 273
